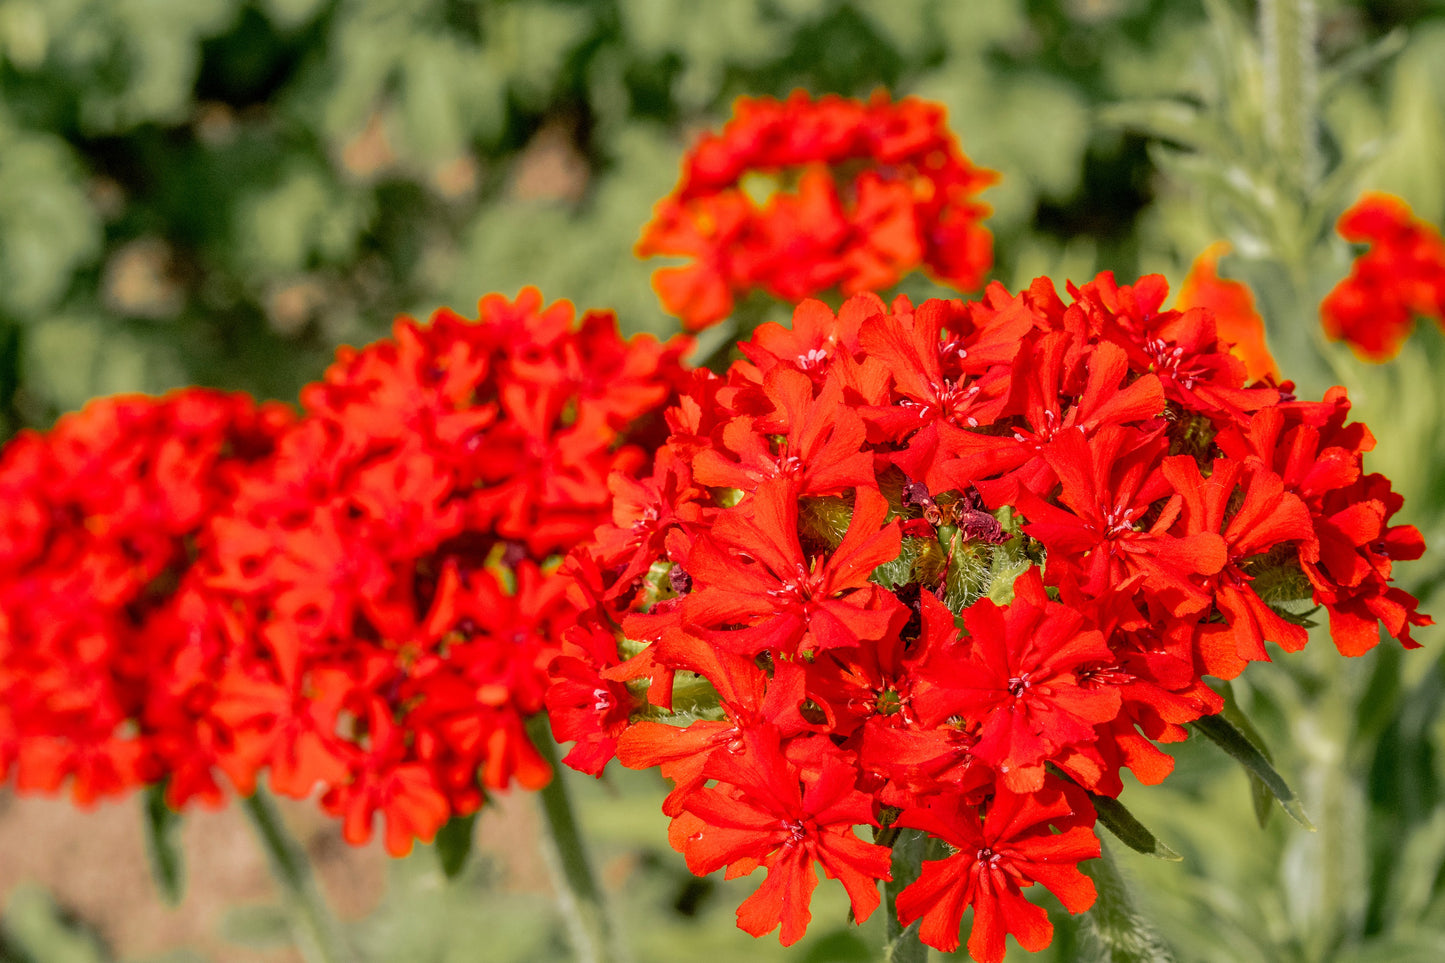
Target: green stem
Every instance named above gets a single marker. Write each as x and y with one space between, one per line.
1114 926
902 944
318 935
1288 30
577 888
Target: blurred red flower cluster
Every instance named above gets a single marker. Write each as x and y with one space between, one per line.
371 607
102 662
953 568
1399 278
858 195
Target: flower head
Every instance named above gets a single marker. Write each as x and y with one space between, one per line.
860 194
396 559
951 566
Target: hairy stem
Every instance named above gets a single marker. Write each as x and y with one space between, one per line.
318 935
581 897
1115 932
1288 30
901 944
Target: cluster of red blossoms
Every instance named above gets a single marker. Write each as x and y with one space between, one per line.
860 194
365 599
101 665
952 568
391 561
1401 277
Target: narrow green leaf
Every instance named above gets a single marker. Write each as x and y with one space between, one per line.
1164 119
454 844
1258 791
1228 737
1129 831
161 823
1362 60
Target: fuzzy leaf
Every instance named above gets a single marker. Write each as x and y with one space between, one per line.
1228 737
1129 831
454 844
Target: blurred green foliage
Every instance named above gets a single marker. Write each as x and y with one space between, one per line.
221 191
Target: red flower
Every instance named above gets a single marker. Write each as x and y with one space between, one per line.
1009 847
108 640
882 189
1018 679
1235 316
767 813
1400 277
396 559
756 575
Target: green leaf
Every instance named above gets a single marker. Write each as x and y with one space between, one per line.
35 928
1228 737
454 844
167 864
260 926
1258 791
1129 831
1361 60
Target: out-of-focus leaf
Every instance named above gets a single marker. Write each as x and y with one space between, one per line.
1415 131
71 358
48 229
1000 128
42 932
260 926
532 42
1229 738
305 218
289 14
128 62
454 844
161 825
839 946
1361 60
1171 120
1129 831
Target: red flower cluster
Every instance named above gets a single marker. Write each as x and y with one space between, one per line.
1401 277
392 567
864 194
953 568
103 672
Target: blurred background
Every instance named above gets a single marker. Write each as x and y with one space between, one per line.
220 192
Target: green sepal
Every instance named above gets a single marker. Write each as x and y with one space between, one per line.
824 519
1118 820
1228 737
454 844
166 862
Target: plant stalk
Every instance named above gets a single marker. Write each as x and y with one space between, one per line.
1288 32
901 944
583 906
1114 930
318 934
